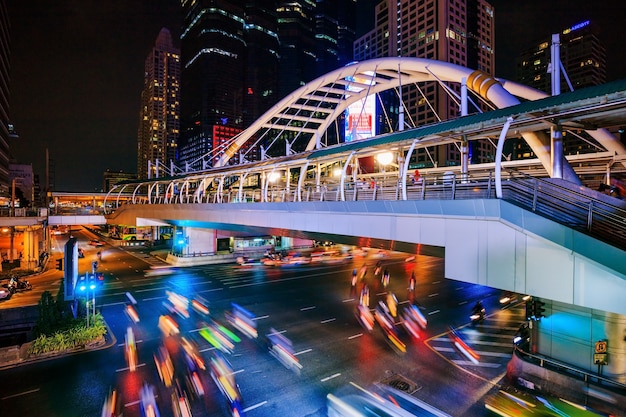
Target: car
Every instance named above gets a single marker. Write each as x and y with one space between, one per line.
5 294
96 243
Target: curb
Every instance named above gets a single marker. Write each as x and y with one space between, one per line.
109 340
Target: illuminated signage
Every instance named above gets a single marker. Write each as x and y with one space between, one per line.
360 116
577 26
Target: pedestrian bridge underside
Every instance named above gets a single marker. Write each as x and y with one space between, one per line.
484 241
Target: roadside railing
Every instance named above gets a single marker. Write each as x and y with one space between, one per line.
571 371
580 208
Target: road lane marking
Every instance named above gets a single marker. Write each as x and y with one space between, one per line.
328 320
435 294
355 336
303 351
153 298
330 377
212 289
252 407
434 312
152 289
481 364
20 394
260 318
307 308
127 368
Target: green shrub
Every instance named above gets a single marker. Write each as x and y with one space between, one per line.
76 335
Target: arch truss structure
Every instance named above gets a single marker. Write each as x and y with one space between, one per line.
302 121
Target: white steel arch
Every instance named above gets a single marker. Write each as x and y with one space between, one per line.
308 112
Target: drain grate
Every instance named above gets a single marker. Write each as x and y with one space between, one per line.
401 383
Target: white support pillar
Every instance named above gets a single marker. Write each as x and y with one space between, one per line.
556 151
555 64
318 177
406 167
301 179
499 149
401 109
342 180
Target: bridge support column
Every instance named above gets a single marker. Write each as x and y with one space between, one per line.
32 248
201 241
556 151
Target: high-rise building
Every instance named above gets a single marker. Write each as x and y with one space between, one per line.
583 58
316 37
459 32
582 54
229 73
159 117
5 124
110 178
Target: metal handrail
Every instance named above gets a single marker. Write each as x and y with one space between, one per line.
549 363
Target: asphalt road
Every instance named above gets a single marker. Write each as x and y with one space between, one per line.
312 305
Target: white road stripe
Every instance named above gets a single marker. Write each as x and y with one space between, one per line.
330 377
481 364
252 407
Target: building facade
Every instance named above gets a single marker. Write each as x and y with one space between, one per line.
583 58
229 73
5 123
459 32
110 178
159 116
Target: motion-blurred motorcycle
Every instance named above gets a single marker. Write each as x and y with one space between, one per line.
478 313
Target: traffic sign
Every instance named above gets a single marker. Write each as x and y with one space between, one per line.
601 346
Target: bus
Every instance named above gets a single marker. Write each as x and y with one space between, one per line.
132 232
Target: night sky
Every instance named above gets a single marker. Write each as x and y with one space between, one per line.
77 72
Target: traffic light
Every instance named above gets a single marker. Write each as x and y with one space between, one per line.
60 264
538 309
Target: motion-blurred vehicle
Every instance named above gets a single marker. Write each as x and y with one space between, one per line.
164 365
180 402
147 402
462 346
282 349
478 313
168 325
507 298
522 337
222 374
132 313
16 284
112 406
97 243
5 294
131 349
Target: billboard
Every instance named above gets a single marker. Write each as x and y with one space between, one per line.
360 115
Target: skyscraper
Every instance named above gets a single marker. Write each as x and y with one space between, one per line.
5 125
229 73
583 58
582 55
459 32
159 117
316 37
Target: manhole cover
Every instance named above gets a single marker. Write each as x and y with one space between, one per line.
401 383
